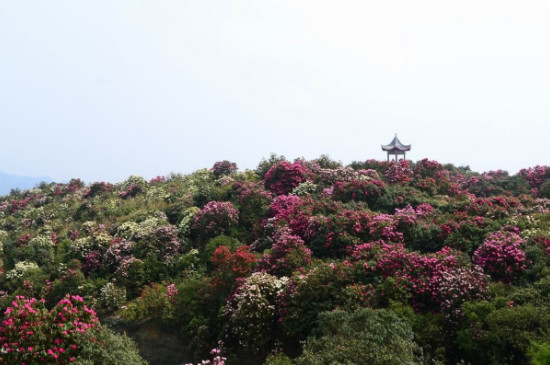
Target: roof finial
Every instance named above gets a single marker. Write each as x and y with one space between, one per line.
396 134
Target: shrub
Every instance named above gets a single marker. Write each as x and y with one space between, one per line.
214 219
251 312
40 249
214 243
278 359
501 255
112 297
97 189
253 201
187 220
399 172
361 190
366 336
284 176
157 301
287 254
539 353
69 332
224 167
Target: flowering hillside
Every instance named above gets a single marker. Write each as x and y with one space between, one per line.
303 262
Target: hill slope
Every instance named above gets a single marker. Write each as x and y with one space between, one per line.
380 260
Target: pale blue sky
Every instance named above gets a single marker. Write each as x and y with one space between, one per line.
104 89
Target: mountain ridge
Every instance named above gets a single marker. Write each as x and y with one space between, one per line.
9 182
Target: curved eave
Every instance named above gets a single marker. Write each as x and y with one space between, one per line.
390 148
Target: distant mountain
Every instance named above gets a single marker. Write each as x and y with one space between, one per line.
8 182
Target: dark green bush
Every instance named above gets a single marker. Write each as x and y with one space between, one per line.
366 336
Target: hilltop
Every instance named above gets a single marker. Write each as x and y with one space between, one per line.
295 262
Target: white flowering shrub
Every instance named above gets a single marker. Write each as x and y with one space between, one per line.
251 311
186 223
82 247
3 238
305 188
112 297
21 270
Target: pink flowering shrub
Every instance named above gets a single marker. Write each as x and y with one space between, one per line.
427 168
406 216
222 168
119 250
71 187
131 274
287 254
535 176
157 179
214 219
501 255
494 207
399 172
32 334
543 243
438 282
98 188
360 190
293 211
343 230
384 226
92 262
284 176
430 176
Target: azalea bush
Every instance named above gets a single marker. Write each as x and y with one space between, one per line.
224 167
214 219
361 190
399 172
284 176
252 314
32 334
502 256
287 254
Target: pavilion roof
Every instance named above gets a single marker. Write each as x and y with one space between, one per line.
396 145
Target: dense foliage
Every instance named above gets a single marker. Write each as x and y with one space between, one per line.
304 262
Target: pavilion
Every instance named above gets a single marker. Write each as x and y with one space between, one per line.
396 148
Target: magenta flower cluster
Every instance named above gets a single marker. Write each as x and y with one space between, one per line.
215 218
399 173
501 255
284 176
225 167
30 334
287 254
436 281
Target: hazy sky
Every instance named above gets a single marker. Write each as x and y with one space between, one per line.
104 89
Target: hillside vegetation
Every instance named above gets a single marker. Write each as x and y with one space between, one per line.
304 262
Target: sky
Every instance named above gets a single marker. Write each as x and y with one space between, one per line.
105 89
